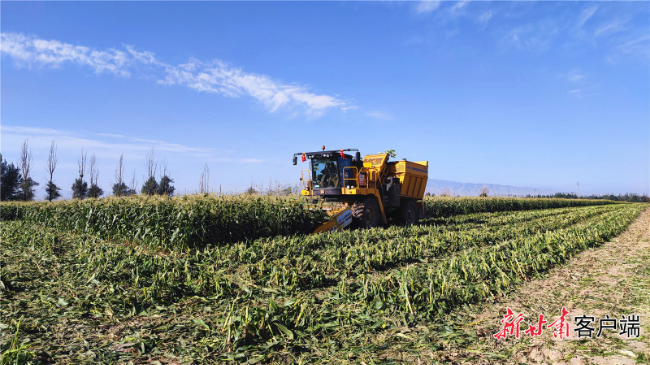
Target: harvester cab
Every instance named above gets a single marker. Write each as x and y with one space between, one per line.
367 192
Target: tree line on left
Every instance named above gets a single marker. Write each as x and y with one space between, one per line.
16 182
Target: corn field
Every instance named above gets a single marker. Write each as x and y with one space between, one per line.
180 221
448 206
217 219
268 294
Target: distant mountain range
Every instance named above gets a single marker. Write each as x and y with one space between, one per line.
455 188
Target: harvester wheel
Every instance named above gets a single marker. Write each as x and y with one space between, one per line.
366 213
408 214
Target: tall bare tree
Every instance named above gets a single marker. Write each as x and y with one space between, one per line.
93 169
25 160
94 191
51 189
119 171
27 184
80 187
134 182
52 160
120 188
81 162
152 166
204 183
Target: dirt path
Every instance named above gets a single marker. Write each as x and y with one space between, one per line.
612 279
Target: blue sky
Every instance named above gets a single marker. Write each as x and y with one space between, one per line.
532 94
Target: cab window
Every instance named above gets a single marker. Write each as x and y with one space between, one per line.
325 172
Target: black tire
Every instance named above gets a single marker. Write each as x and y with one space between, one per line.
407 214
366 214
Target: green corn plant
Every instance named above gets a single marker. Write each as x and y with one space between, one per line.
289 289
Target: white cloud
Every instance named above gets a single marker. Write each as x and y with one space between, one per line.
379 115
458 6
456 9
579 86
217 77
573 76
143 57
611 27
534 37
251 160
30 51
427 6
213 77
41 138
576 93
637 46
31 130
111 135
586 15
486 16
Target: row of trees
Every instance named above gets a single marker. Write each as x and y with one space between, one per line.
151 186
627 197
16 182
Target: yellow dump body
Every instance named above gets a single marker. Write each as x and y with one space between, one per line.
413 177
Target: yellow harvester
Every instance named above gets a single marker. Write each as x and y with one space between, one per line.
369 191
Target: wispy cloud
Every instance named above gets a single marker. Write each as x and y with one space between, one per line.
379 115
167 146
458 7
427 6
573 76
615 29
535 37
251 160
217 77
454 10
485 16
578 84
637 46
134 148
42 138
212 77
576 93
586 15
610 27
111 135
29 51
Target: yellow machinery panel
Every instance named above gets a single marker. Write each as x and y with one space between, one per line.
339 219
375 161
413 176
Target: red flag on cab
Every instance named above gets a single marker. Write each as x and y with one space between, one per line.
342 155
304 158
